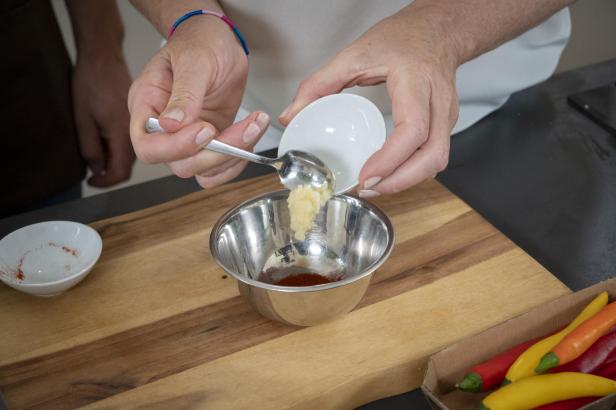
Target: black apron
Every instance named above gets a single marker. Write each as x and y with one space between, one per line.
39 150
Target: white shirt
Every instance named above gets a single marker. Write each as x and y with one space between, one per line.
289 39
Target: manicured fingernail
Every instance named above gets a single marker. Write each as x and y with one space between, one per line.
285 112
262 120
251 132
175 114
368 193
204 136
370 182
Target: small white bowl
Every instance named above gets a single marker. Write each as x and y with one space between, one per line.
343 130
48 258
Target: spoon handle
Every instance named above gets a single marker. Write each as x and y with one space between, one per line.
153 126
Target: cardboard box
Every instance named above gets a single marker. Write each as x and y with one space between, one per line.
448 366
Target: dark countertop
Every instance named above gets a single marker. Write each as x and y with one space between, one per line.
537 169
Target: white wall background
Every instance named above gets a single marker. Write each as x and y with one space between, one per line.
593 40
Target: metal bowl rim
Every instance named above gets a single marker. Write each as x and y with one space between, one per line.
296 289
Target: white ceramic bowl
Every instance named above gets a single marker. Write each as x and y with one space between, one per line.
48 258
343 130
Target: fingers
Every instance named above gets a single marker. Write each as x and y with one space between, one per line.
191 79
331 79
243 134
147 98
410 98
165 147
121 158
150 90
90 144
221 178
431 158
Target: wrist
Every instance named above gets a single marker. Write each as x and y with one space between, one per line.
97 44
443 37
207 31
163 14
100 53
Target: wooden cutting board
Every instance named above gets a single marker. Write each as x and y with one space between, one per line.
157 325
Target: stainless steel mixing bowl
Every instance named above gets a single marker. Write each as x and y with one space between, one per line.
350 240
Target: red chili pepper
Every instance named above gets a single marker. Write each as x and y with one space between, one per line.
491 373
608 371
610 359
571 404
593 358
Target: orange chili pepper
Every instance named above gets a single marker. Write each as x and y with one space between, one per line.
578 341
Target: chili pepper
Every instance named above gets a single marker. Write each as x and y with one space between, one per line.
536 391
593 358
525 364
577 342
571 404
611 359
608 371
490 374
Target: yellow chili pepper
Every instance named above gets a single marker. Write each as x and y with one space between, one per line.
545 389
525 364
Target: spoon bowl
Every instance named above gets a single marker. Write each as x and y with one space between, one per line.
297 168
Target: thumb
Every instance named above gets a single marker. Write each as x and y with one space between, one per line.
330 79
190 83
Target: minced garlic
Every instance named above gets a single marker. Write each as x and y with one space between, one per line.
304 203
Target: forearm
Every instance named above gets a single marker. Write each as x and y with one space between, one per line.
477 26
163 13
97 27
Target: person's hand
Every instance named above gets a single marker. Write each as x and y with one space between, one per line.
410 52
100 88
195 84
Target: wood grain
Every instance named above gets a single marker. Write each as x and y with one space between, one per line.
158 325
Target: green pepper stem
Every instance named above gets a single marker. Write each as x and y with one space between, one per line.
547 362
472 383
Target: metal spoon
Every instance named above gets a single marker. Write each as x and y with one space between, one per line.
294 167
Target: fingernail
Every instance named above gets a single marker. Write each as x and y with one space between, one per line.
175 114
251 132
368 193
204 136
262 120
370 182
285 112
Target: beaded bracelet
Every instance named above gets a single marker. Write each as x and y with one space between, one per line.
221 16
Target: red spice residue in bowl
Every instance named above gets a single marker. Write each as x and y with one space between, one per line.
66 249
19 273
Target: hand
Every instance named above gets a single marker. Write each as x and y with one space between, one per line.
412 52
195 85
100 88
